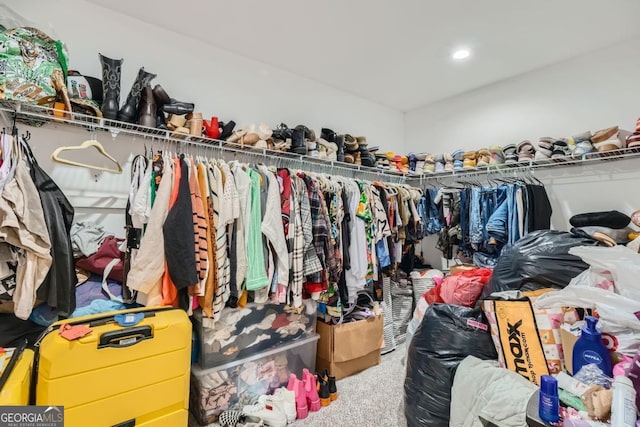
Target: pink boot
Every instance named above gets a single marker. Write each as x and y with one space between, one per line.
302 410
291 386
311 390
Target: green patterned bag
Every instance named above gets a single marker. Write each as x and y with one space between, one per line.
33 67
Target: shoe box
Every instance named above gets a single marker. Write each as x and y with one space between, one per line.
241 382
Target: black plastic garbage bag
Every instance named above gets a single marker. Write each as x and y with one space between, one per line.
539 260
445 337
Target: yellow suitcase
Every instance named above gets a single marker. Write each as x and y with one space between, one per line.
16 378
124 376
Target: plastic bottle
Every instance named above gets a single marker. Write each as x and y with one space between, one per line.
623 407
549 403
590 349
633 372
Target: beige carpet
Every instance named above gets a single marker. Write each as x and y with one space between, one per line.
373 397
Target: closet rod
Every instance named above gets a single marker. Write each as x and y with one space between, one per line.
36 115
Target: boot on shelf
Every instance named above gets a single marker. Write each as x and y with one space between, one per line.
129 111
148 108
298 144
212 128
111 72
340 144
161 98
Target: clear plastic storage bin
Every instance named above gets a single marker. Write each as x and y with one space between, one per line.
239 383
243 332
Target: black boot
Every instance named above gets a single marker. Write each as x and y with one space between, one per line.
298 145
328 135
179 108
111 70
333 389
148 108
226 129
129 111
161 99
340 144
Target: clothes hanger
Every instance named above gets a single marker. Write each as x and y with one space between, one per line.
86 144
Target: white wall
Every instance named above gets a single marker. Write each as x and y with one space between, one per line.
218 82
590 92
593 91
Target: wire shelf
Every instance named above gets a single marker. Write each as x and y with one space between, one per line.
35 115
566 161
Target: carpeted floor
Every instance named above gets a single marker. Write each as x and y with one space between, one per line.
373 397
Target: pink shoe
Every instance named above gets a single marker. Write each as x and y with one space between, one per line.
311 390
302 410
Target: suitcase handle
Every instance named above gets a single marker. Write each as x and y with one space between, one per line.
125 337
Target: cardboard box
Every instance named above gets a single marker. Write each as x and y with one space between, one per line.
568 342
350 347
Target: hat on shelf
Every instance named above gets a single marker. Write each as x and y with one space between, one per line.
85 93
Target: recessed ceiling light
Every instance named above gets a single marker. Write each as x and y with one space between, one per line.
461 54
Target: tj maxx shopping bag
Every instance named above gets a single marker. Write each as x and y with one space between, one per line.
527 340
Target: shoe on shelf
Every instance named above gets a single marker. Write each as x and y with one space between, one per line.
129 111
526 151
269 414
439 159
148 108
111 74
545 148
283 400
448 161
194 123
510 155
212 128
226 129
469 161
484 158
561 150
582 148
429 164
497 155
328 135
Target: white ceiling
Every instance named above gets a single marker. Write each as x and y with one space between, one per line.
397 53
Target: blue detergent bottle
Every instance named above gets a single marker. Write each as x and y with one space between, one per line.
590 349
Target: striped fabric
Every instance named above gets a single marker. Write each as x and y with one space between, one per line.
296 244
402 309
215 188
387 312
200 228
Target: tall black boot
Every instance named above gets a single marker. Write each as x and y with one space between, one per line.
111 70
340 144
129 111
148 109
298 145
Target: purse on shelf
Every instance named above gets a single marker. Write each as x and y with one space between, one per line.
33 68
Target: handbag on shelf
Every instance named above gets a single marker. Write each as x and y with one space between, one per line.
33 67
